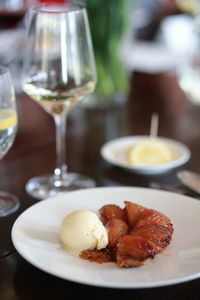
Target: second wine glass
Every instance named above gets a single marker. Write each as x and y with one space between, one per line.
59 72
9 203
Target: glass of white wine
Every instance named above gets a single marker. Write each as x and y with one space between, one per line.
8 128
59 72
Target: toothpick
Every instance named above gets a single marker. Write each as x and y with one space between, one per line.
154 125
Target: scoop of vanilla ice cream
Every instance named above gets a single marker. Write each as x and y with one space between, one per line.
82 230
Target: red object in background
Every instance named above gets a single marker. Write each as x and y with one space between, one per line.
54 1
169 6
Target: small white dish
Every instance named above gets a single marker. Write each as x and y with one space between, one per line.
116 152
35 235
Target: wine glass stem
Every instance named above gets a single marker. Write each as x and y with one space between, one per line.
61 167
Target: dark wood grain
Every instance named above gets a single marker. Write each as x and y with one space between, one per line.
33 153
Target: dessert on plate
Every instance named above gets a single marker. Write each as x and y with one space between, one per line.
128 236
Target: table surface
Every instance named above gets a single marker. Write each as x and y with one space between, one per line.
33 153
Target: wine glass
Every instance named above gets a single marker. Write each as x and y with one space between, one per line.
59 72
8 128
188 71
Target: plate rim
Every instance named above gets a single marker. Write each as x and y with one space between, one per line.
169 282
151 170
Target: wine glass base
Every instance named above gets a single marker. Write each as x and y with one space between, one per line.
46 186
8 204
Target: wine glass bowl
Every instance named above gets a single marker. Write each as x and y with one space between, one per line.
8 128
189 78
188 71
58 73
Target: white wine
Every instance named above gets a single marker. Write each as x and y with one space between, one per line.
58 99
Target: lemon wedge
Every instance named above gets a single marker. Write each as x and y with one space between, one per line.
149 152
8 118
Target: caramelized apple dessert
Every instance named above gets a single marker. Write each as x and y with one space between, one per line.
135 234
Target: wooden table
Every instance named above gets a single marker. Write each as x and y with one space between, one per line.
33 153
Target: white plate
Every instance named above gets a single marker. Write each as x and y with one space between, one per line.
35 235
116 151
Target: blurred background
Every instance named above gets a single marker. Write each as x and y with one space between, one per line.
148 60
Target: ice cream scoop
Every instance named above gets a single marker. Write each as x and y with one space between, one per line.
82 230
